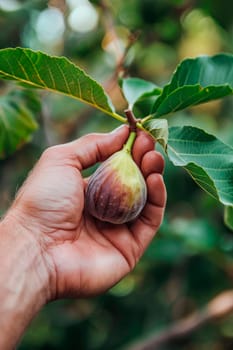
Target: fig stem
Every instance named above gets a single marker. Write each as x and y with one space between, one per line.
129 144
132 120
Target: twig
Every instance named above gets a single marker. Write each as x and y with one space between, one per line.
220 307
119 53
131 119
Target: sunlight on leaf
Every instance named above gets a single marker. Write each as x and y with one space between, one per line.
196 81
57 74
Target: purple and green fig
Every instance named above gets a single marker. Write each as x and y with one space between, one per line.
117 191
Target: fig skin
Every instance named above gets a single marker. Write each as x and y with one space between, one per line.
117 191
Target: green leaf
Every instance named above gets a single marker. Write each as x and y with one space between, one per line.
228 217
58 74
196 81
158 128
208 160
17 121
135 89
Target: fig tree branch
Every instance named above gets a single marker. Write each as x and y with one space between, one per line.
132 120
119 52
218 308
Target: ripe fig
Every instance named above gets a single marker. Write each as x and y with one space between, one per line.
117 191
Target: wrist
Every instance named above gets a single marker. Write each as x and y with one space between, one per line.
24 279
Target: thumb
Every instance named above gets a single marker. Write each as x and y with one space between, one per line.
93 148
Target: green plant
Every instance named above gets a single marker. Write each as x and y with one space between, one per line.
207 159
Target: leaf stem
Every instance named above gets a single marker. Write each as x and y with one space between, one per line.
147 118
141 127
115 115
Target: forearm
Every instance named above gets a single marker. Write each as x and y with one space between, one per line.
23 281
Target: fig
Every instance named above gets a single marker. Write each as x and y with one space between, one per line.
117 191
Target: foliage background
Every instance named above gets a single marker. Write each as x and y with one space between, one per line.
190 260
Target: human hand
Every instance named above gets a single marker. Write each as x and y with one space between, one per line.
84 256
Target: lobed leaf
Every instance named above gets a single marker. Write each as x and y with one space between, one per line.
195 81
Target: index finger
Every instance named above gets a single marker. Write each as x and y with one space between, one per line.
147 224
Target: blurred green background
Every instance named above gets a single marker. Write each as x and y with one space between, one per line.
190 261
